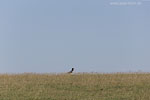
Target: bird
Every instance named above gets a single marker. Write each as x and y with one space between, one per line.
71 71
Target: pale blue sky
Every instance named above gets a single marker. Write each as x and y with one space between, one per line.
89 35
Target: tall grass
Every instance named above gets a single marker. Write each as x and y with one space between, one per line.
118 86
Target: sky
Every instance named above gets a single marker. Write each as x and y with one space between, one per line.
52 36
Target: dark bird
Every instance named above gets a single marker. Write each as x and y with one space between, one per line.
71 70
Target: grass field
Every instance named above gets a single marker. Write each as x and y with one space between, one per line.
118 86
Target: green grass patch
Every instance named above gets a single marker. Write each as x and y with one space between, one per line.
118 86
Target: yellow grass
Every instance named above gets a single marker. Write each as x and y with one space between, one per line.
118 86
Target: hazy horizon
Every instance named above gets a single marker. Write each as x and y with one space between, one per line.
52 36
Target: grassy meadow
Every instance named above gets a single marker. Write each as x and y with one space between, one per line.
117 86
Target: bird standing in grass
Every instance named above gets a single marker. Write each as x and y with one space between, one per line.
71 71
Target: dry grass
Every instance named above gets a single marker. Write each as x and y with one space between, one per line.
118 86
